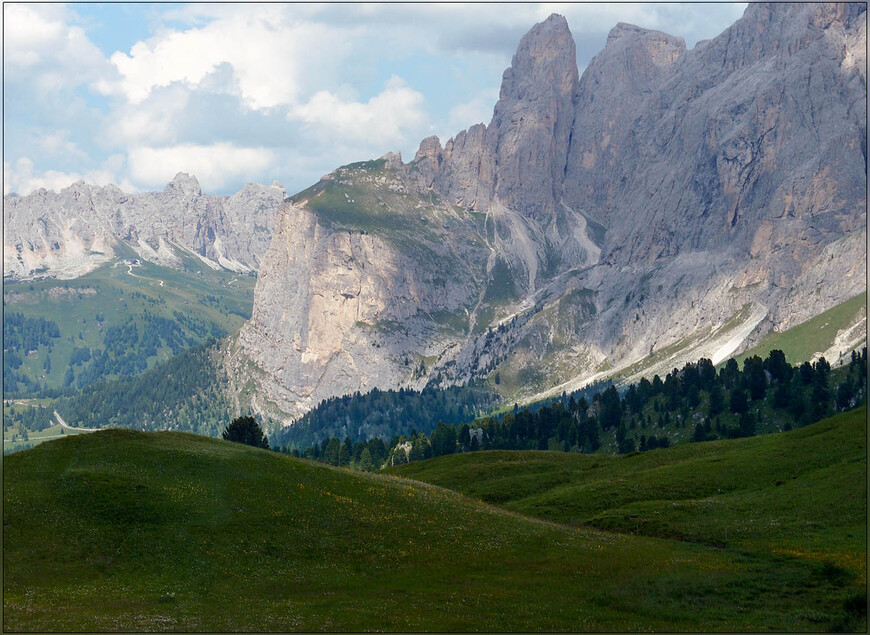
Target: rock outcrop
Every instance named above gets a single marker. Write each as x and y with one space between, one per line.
68 233
519 159
363 286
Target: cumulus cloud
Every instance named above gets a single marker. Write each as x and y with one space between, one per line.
384 119
156 121
28 35
24 179
267 48
478 110
214 165
40 45
57 143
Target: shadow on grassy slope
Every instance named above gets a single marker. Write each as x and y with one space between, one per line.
124 530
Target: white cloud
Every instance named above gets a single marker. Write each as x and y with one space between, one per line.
268 50
22 179
28 35
58 144
478 110
213 165
39 44
384 119
155 121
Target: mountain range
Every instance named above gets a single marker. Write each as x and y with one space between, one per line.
668 204
69 233
665 205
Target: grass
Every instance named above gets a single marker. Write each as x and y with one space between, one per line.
124 530
800 343
356 199
33 438
501 287
798 497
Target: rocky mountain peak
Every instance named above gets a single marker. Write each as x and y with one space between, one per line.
429 158
392 160
80 227
785 28
622 30
545 55
519 158
645 47
430 148
531 123
184 183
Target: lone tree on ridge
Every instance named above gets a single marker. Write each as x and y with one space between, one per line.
246 430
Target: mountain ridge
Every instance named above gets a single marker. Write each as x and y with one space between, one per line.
68 233
667 202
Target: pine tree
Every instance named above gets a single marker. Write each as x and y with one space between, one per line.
343 455
332 451
246 430
755 377
366 464
717 400
738 400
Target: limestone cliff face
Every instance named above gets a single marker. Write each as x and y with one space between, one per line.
68 233
736 148
360 288
668 204
612 94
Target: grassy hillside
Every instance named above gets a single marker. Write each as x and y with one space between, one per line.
137 315
799 495
123 530
188 392
814 336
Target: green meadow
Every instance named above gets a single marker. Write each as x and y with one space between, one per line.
798 496
801 342
124 530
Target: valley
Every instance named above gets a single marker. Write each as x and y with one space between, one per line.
107 325
113 322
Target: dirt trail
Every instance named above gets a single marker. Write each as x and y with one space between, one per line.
130 271
68 427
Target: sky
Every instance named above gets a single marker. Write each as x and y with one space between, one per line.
234 93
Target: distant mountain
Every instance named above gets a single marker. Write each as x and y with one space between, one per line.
669 204
69 233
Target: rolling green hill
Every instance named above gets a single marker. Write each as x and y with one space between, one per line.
795 495
124 530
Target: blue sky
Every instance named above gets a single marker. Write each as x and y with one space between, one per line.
133 93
